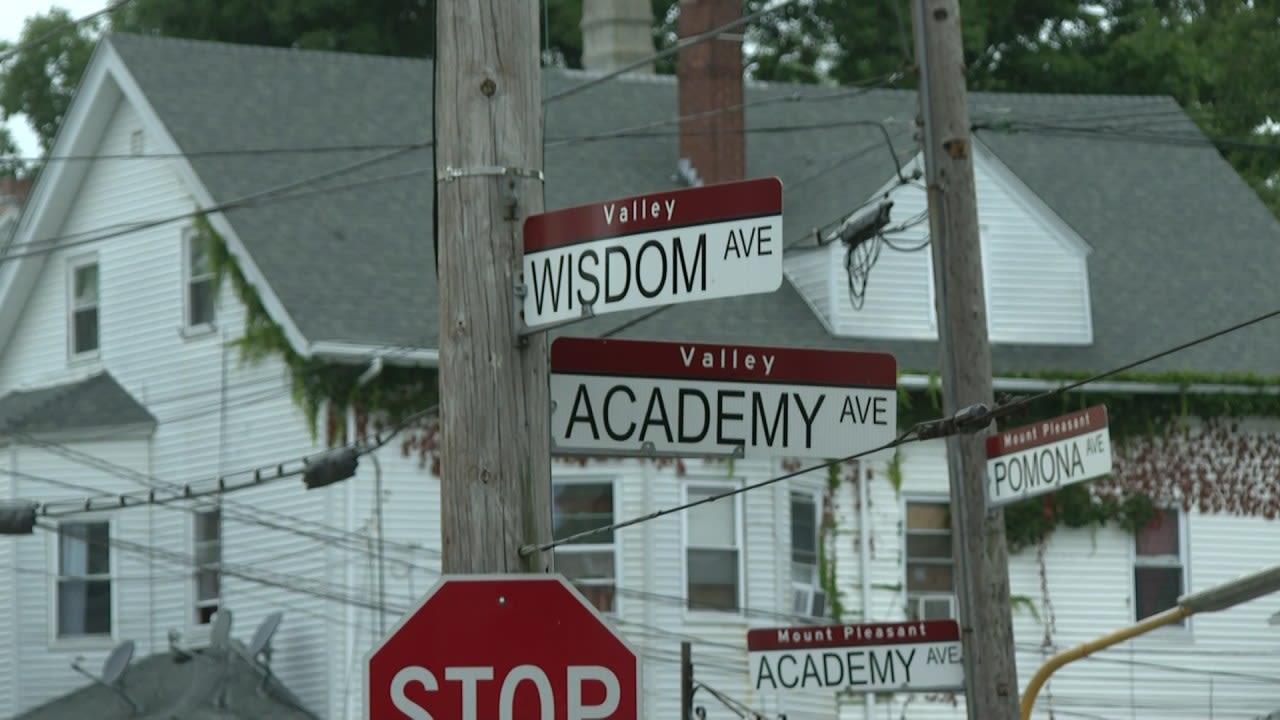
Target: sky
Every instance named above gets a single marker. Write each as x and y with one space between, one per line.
12 15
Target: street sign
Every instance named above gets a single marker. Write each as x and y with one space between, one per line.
682 399
502 647
918 656
665 247
1045 456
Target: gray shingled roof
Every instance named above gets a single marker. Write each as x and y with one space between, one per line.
95 402
188 690
1181 245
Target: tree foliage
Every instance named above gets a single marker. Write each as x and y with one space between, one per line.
40 80
1215 59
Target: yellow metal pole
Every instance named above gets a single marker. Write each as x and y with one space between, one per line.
1172 615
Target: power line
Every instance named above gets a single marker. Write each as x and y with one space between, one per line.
282 581
23 47
969 419
643 130
1189 139
682 44
179 496
224 152
286 191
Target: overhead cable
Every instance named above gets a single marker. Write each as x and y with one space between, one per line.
966 420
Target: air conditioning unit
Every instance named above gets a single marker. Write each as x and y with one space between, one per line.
933 607
808 601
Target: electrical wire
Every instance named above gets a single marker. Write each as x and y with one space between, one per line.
858 261
216 152
23 47
645 129
290 191
282 581
180 495
968 419
682 44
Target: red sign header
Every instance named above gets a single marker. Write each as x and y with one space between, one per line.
714 361
830 636
672 208
1047 431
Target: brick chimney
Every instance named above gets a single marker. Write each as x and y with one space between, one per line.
616 33
710 78
13 192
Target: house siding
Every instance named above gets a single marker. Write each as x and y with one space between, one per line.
42 662
1035 270
1218 666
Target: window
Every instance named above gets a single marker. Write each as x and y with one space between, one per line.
587 563
208 556
712 569
930 566
84 579
84 308
1157 564
807 597
200 280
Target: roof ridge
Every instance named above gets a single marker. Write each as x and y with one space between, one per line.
246 48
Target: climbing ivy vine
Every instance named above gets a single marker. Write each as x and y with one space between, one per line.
1175 448
320 388
1171 448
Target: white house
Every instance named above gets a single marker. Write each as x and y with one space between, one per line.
121 371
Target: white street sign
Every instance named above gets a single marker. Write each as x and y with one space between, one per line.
678 246
1047 455
671 399
920 656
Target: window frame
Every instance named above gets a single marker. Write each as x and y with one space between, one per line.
914 598
614 547
56 578
197 603
1161 561
817 499
718 486
74 266
189 279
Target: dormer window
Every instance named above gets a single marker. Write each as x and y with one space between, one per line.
82 325
200 280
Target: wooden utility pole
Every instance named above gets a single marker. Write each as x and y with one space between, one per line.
982 562
495 467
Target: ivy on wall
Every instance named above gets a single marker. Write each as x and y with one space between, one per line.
1171 449
320 387
1160 458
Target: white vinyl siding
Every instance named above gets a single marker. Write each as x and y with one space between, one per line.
1035 270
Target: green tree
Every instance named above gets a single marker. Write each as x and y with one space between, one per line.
40 79
384 27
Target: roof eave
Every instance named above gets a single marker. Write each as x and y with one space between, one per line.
357 353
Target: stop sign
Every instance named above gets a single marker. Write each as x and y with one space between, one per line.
502 647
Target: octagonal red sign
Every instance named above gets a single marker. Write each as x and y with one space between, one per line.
502 647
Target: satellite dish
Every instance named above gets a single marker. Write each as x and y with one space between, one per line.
117 662
261 642
220 635
113 670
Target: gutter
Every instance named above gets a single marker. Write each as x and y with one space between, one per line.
358 354
920 382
